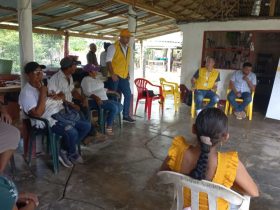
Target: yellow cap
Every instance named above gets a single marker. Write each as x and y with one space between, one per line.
125 33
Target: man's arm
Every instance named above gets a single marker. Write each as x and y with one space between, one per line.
194 78
251 84
110 55
39 110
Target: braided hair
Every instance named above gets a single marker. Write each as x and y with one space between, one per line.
210 125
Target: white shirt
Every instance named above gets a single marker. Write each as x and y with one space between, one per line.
28 100
59 83
103 59
94 86
111 52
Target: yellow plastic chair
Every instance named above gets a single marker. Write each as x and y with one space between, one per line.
249 108
171 88
193 110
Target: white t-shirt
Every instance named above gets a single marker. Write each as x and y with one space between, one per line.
59 83
111 52
103 59
94 86
29 98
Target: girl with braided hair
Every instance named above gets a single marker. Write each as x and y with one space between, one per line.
203 161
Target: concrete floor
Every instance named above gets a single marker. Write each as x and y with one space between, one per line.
121 174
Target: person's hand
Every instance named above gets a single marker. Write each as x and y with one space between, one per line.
115 77
43 90
85 102
75 106
98 101
27 198
245 78
5 117
238 94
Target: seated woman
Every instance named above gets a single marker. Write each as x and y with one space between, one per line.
94 89
203 161
35 100
10 199
9 139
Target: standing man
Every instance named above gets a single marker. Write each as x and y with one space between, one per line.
204 83
242 84
91 56
103 56
118 59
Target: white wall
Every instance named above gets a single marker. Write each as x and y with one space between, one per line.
193 43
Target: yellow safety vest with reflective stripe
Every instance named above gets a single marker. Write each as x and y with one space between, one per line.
206 80
120 63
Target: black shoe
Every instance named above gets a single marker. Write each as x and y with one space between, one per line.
128 119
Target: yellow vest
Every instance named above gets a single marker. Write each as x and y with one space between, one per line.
206 80
120 63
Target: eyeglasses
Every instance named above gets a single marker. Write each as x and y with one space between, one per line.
37 72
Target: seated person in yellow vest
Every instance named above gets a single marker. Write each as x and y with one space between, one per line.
242 83
94 89
203 161
204 83
118 59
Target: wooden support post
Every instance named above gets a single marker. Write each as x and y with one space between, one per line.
66 44
272 7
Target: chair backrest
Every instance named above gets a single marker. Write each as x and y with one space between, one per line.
141 85
213 191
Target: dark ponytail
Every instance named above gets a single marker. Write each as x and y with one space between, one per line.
210 125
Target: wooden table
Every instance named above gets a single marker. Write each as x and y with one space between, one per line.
10 88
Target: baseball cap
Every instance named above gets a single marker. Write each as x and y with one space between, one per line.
32 66
68 62
8 193
91 68
125 33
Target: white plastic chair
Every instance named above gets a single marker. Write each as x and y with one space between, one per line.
213 191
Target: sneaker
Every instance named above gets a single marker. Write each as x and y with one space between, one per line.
238 115
99 138
63 159
128 119
243 114
88 140
109 131
76 159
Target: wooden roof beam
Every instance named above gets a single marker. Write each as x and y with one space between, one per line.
140 26
143 6
92 21
116 25
272 4
71 15
143 37
55 32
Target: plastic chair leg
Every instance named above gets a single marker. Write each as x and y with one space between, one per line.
136 106
31 139
101 120
226 108
149 107
54 149
13 165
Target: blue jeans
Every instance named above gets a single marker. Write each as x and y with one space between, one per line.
71 136
239 107
122 85
201 94
111 107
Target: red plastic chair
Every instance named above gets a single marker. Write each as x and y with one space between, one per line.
143 93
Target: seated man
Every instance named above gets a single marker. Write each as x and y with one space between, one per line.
62 81
204 83
9 139
34 100
94 89
242 83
